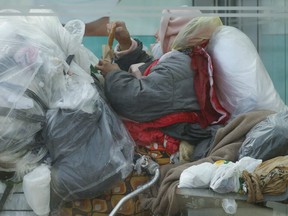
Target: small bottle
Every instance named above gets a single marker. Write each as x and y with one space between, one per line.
229 206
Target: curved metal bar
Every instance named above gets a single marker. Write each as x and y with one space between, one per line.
136 192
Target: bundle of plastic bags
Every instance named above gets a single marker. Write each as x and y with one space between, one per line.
221 176
51 109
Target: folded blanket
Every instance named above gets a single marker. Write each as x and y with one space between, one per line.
226 145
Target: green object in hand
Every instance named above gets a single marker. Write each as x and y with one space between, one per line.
93 70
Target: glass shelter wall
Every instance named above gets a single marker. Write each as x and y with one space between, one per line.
264 21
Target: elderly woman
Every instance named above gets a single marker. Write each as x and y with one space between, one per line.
160 105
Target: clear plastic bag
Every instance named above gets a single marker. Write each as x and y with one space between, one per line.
226 178
90 152
267 139
21 114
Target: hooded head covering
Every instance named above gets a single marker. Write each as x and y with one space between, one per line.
171 23
195 32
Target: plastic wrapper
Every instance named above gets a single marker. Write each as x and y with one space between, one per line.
226 178
268 138
51 109
242 81
196 31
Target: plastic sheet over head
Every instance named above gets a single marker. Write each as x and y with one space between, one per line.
195 32
52 108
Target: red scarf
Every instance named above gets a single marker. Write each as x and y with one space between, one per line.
212 111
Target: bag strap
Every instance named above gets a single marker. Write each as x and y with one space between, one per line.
7 191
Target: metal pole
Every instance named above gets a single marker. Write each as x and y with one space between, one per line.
136 192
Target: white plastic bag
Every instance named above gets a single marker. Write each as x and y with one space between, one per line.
243 84
197 176
226 178
36 187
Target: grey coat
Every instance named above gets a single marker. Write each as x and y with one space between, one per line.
167 89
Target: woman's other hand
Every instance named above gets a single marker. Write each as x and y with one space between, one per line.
105 67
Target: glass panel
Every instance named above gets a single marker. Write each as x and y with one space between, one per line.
264 21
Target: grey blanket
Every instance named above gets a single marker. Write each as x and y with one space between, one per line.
162 198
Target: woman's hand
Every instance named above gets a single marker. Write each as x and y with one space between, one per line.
106 67
121 34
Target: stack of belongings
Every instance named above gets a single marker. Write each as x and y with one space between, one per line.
257 128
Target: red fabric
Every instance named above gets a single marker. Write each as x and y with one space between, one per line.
212 111
148 69
145 133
